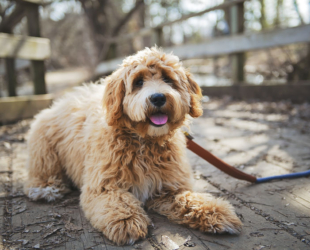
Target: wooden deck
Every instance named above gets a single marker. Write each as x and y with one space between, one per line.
259 138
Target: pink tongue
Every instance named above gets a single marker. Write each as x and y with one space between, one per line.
159 119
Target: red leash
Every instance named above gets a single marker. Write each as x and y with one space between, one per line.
226 168
217 162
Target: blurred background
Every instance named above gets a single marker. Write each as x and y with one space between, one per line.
252 61
223 42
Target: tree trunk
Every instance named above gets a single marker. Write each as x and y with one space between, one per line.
263 21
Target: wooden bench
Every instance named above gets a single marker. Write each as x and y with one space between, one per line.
32 48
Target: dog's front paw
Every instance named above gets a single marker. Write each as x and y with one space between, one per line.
217 216
208 214
127 231
223 220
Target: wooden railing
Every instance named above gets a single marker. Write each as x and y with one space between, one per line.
234 44
31 47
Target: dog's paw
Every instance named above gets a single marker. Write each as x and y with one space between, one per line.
216 217
128 231
208 214
224 223
47 193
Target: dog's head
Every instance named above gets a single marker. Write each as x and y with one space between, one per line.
151 93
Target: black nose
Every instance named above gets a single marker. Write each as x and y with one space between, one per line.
158 99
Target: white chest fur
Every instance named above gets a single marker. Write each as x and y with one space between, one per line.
145 190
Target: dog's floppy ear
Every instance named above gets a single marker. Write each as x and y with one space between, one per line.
113 98
195 92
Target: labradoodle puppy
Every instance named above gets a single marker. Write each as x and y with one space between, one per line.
120 142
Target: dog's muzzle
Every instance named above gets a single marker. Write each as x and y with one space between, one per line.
158 119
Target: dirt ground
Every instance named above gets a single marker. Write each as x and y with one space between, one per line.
262 139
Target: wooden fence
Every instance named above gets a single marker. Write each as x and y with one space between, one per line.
31 47
235 44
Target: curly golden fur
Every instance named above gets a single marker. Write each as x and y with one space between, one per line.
120 142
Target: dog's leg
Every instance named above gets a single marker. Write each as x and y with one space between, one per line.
198 210
45 175
118 214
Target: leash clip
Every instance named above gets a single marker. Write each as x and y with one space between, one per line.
188 136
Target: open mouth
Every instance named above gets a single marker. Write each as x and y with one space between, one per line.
158 119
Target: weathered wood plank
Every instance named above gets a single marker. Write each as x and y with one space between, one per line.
297 93
10 76
19 64
237 27
5 189
32 48
22 107
262 143
39 2
263 151
38 74
244 42
37 67
229 45
4 177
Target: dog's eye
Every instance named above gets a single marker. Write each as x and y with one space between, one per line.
139 83
167 79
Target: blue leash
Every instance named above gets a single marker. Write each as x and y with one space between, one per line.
284 176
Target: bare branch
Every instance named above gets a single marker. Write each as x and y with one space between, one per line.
107 45
120 25
8 22
2 12
298 12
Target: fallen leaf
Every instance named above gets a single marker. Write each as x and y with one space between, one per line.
50 233
188 242
168 243
137 246
256 234
289 223
55 215
71 227
37 246
24 242
23 209
7 145
260 247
